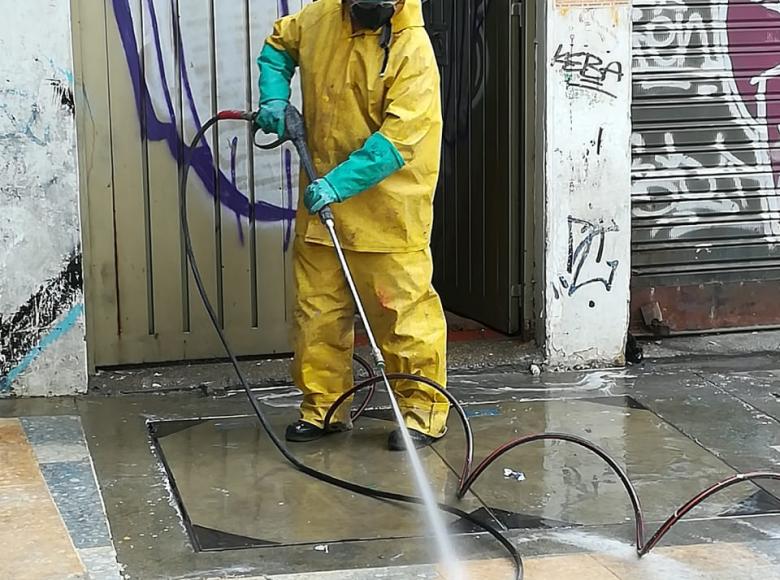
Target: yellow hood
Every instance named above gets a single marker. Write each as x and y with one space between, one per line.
410 16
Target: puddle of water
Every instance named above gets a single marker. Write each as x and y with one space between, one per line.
569 484
229 479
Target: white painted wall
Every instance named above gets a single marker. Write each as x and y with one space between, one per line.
43 351
586 70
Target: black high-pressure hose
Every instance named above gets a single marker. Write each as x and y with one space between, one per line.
293 119
469 475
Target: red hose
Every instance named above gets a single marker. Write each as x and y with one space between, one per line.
642 548
373 380
592 447
696 500
236 115
469 476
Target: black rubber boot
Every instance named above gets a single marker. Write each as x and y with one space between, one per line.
396 441
301 432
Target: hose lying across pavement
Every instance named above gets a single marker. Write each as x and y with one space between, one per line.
277 442
469 474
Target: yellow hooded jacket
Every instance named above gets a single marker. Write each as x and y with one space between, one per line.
346 99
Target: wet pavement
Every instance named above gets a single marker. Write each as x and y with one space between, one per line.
268 503
193 489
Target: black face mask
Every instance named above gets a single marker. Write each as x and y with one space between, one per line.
372 15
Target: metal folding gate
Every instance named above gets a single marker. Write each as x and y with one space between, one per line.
152 71
706 165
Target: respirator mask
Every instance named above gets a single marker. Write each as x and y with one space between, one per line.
372 14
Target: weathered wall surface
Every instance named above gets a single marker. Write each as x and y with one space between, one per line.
41 302
587 168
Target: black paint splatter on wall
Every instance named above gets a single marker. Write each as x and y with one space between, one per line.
20 332
63 94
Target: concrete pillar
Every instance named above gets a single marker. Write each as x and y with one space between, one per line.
584 168
42 350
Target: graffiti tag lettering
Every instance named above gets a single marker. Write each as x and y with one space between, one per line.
586 256
588 71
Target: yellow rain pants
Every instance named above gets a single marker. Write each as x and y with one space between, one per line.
386 229
404 311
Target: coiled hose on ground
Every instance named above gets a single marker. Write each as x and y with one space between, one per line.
469 474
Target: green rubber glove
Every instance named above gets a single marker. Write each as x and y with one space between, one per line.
276 71
366 167
271 117
319 194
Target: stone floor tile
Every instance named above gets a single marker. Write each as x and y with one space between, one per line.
65 429
35 541
73 488
696 562
17 462
100 563
574 567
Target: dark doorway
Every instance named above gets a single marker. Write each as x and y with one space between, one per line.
477 230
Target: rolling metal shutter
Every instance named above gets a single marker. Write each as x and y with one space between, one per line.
706 163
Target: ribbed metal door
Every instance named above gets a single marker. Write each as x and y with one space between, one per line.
152 72
706 163
477 211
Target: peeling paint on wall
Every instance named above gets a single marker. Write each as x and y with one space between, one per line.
42 349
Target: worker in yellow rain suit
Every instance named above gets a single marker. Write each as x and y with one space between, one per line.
372 108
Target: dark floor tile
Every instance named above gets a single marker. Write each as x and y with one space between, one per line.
73 488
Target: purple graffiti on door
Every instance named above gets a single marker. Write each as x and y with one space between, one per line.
753 37
154 129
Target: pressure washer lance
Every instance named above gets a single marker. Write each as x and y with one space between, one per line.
295 131
470 475
277 442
